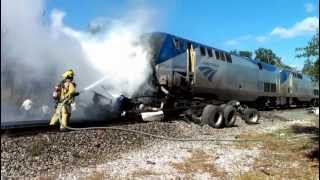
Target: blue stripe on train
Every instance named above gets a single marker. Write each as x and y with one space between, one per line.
283 76
168 51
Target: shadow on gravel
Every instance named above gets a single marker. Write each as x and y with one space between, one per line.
299 129
312 150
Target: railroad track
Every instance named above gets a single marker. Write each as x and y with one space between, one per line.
17 128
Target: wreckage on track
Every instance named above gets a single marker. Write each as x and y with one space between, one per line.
211 86
206 85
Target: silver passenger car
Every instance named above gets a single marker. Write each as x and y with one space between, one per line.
198 70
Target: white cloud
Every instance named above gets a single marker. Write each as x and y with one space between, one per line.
309 24
305 26
261 39
245 37
232 42
236 41
309 7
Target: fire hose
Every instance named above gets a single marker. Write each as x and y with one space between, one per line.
158 136
162 137
153 135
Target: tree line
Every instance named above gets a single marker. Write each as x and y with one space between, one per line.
310 53
264 55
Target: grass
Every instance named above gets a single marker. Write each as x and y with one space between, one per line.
198 162
288 153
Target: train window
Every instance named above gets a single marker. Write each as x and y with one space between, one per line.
229 59
270 87
266 87
273 87
209 52
217 54
176 43
300 76
222 57
202 51
189 45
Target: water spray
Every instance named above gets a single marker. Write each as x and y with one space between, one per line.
94 84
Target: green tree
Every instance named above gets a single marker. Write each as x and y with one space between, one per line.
234 52
311 53
246 54
268 56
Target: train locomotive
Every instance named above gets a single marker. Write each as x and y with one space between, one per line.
212 86
204 84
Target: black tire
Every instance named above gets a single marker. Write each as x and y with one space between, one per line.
229 115
251 116
213 116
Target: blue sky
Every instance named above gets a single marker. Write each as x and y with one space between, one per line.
281 25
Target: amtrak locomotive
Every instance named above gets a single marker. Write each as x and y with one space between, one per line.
211 86
203 84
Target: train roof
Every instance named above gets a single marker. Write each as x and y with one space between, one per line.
270 66
186 40
200 44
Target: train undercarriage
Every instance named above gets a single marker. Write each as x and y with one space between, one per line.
216 114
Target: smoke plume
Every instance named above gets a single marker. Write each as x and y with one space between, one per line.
36 48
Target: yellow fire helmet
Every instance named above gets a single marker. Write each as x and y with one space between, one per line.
68 74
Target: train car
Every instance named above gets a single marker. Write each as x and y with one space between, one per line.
205 84
201 70
193 73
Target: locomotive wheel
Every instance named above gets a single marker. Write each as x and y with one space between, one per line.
251 116
213 116
229 115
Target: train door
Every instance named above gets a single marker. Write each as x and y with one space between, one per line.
290 87
191 64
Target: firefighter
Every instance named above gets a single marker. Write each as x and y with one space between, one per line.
64 95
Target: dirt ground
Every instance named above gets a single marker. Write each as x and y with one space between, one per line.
285 145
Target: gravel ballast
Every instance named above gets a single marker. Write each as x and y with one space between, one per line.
69 155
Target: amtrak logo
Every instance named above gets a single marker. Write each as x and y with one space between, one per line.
207 72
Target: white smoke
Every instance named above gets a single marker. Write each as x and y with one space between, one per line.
36 50
114 52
